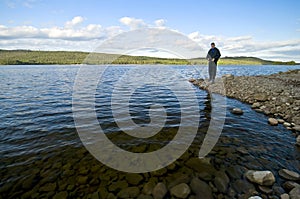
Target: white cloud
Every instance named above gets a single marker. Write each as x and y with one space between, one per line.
246 46
19 32
74 35
75 21
71 31
160 22
133 23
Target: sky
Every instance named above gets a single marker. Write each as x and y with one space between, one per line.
268 29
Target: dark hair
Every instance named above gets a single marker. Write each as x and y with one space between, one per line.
213 43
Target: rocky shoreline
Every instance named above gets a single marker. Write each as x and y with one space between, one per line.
276 95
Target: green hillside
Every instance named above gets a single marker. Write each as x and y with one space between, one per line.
27 57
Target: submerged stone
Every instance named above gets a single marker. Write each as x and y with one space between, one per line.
180 191
265 178
237 111
289 175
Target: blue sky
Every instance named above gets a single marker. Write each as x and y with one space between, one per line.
267 28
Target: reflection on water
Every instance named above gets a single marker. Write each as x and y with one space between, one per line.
38 135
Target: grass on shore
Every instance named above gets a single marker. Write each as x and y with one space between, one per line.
27 57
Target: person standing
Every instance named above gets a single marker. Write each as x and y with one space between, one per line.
213 57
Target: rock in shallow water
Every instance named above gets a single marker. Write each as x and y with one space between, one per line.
221 182
237 111
289 185
159 191
273 121
295 193
284 196
61 195
298 140
255 197
243 186
180 191
265 178
201 189
148 187
289 175
129 192
264 189
296 128
133 178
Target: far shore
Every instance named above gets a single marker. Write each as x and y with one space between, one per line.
28 57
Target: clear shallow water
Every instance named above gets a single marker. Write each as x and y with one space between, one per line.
36 112
36 101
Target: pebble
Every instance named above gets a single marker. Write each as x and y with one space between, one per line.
289 185
266 190
221 182
200 165
178 178
111 196
286 124
255 197
295 193
298 140
119 185
148 187
255 105
61 195
237 111
289 175
129 192
284 196
296 128
228 76
201 189
265 178
159 191
243 186
133 178
280 121
273 121
236 171
180 191
82 180
48 187
142 196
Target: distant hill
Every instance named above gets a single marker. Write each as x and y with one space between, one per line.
28 57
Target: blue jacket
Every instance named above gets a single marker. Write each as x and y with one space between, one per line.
214 53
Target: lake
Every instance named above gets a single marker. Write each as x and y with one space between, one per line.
42 154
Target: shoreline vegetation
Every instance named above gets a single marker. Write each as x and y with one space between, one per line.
28 57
